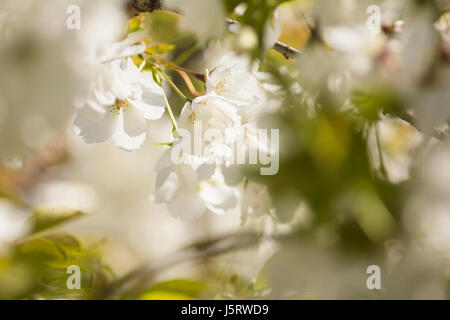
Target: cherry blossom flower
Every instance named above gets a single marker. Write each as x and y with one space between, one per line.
122 100
235 79
398 141
193 183
220 124
235 97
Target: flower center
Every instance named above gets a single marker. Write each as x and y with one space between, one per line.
223 87
118 106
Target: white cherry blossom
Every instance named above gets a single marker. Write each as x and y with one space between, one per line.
37 89
217 116
194 182
236 79
123 99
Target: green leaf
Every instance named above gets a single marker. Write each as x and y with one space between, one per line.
378 99
42 250
47 258
45 218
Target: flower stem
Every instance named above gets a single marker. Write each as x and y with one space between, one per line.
173 85
169 111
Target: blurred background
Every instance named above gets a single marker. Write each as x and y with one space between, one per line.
362 108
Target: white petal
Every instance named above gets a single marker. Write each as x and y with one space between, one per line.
96 106
105 98
125 48
121 89
92 126
255 200
272 30
122 139
130 72
184 121
150 112
218 196
154 96
14 222
206 170
121 76
186 205
165 159
166 191
162 177
187 177
146 79
134 123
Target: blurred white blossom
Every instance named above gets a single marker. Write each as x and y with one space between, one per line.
13 223
43 68
392 143
206 18
427 213
255 200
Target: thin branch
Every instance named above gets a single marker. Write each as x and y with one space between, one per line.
188 83
200 76
137 6
138 279
173 85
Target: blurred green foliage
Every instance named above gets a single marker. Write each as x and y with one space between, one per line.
36 266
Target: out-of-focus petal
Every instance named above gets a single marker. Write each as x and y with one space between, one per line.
179 209
218 197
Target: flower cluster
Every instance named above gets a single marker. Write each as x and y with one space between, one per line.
124 97
234 98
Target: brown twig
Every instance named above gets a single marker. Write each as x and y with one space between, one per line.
287 51
188 83
137 6
200 76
